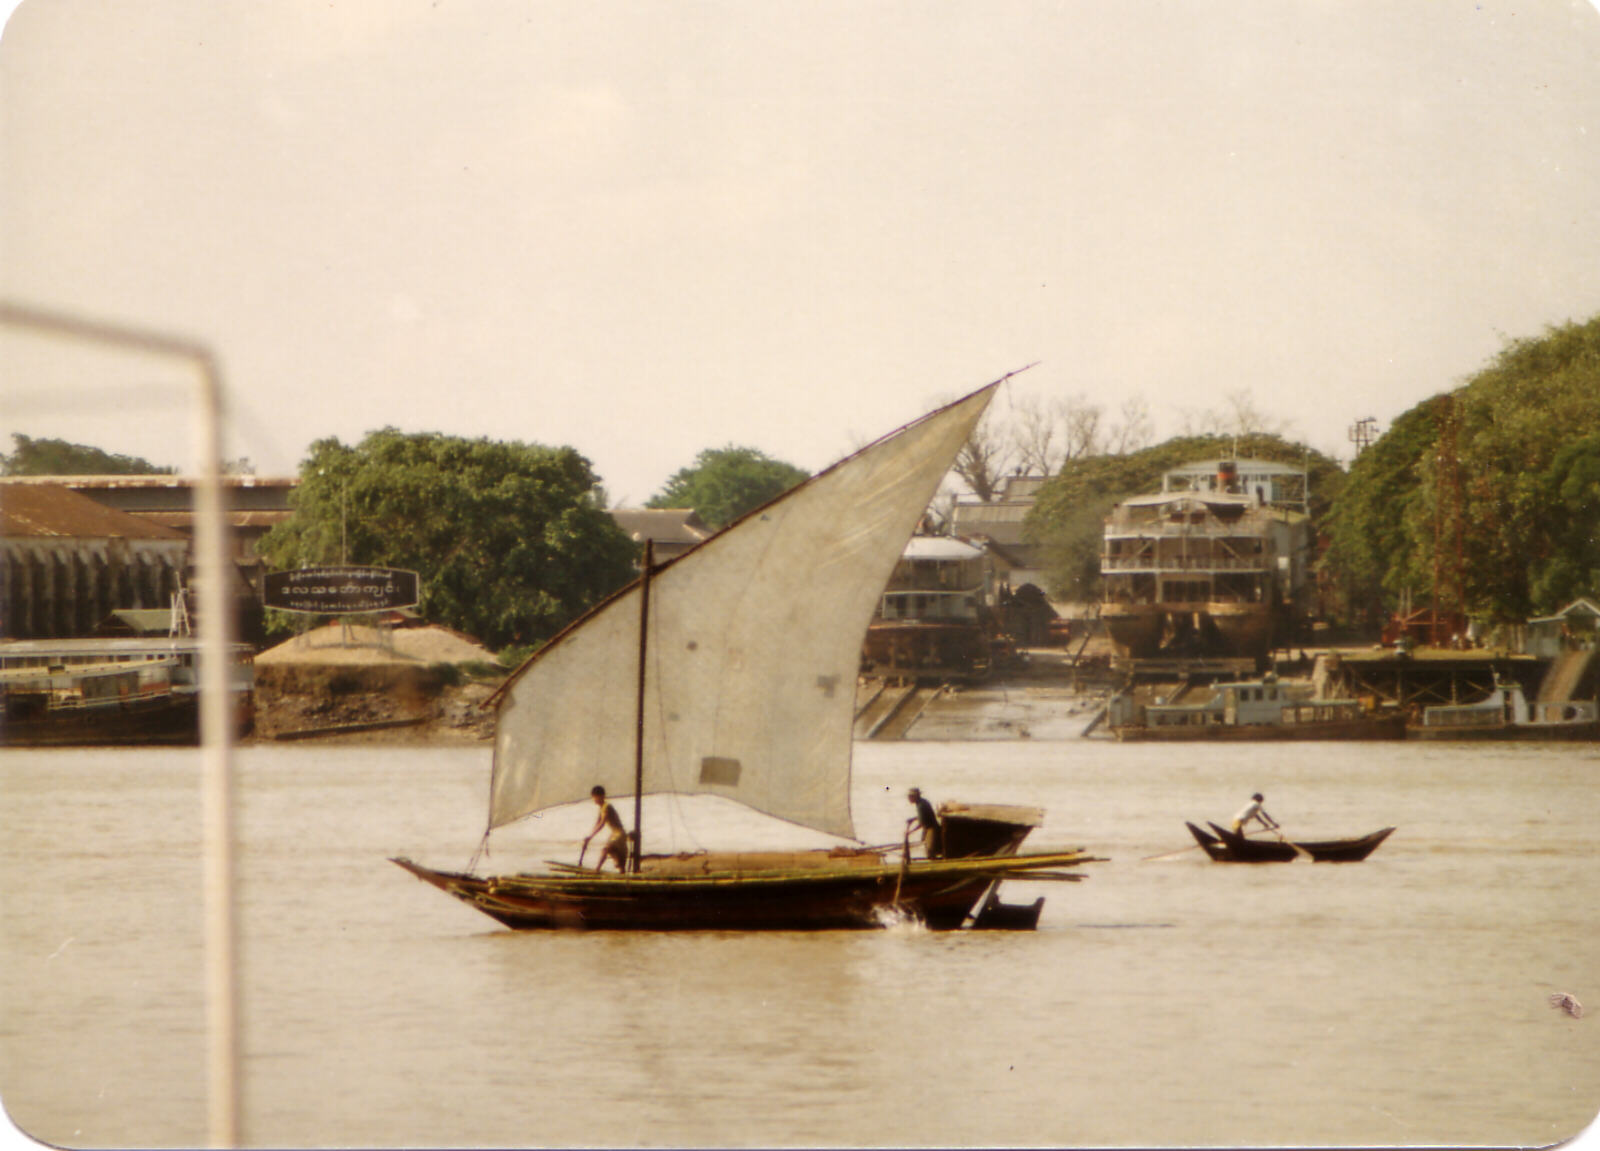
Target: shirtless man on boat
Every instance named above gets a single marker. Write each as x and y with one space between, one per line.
616 843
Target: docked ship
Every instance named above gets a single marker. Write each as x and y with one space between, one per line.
934 620
100 691
1213 565
1264 709
1506 713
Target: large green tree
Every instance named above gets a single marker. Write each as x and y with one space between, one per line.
724 483
1491 486
48 457
1572 496
1369 557
1068 518
510 539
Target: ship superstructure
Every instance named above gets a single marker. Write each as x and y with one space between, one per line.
934 620
1215 564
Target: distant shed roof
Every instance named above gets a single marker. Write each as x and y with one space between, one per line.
664 525
1578 607
153 480
136 621
236 519
52 511
945 548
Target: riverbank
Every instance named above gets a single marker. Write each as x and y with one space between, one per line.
418 713
358 684
366 695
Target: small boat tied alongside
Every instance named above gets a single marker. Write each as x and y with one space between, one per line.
675 686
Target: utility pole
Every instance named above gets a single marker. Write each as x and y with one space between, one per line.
1446 507
1362 433
638 736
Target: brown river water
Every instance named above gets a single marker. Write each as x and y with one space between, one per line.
1174 1002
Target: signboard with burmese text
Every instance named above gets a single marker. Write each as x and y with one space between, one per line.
341 590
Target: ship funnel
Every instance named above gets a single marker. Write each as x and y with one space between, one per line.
1227 476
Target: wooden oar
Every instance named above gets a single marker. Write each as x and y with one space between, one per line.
905 866
1201 840
1173 854
1277 833
1299 852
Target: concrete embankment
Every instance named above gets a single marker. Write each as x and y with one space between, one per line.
1051 696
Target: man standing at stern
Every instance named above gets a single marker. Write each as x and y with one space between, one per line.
928 820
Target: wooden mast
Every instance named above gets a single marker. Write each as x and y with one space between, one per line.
638 733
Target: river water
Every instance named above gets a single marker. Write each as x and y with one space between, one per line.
1169 1002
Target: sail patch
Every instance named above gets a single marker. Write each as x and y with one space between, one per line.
719 771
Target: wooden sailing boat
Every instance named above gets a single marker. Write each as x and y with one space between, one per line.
730 670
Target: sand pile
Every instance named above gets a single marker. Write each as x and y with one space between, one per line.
357 644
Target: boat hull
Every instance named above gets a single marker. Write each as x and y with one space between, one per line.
1244 629
167 719
942 893
1135 628
927 649
1552 732
1220 629
1224 846
1386 727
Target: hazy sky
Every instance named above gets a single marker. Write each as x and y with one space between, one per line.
646 229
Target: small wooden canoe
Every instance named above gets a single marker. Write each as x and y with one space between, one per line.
1225 846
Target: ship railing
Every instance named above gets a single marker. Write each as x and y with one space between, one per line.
1248 525
1179 603
1186 563
73 700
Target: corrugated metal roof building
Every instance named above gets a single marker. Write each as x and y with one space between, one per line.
998 525
253 504
67 562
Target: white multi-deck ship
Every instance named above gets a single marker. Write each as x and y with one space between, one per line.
1214 564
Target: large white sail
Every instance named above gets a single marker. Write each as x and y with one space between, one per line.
752 653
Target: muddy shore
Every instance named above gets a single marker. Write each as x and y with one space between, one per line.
367 699
411 685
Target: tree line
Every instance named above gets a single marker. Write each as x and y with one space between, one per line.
1489 493
512 540
51 457
1486 496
